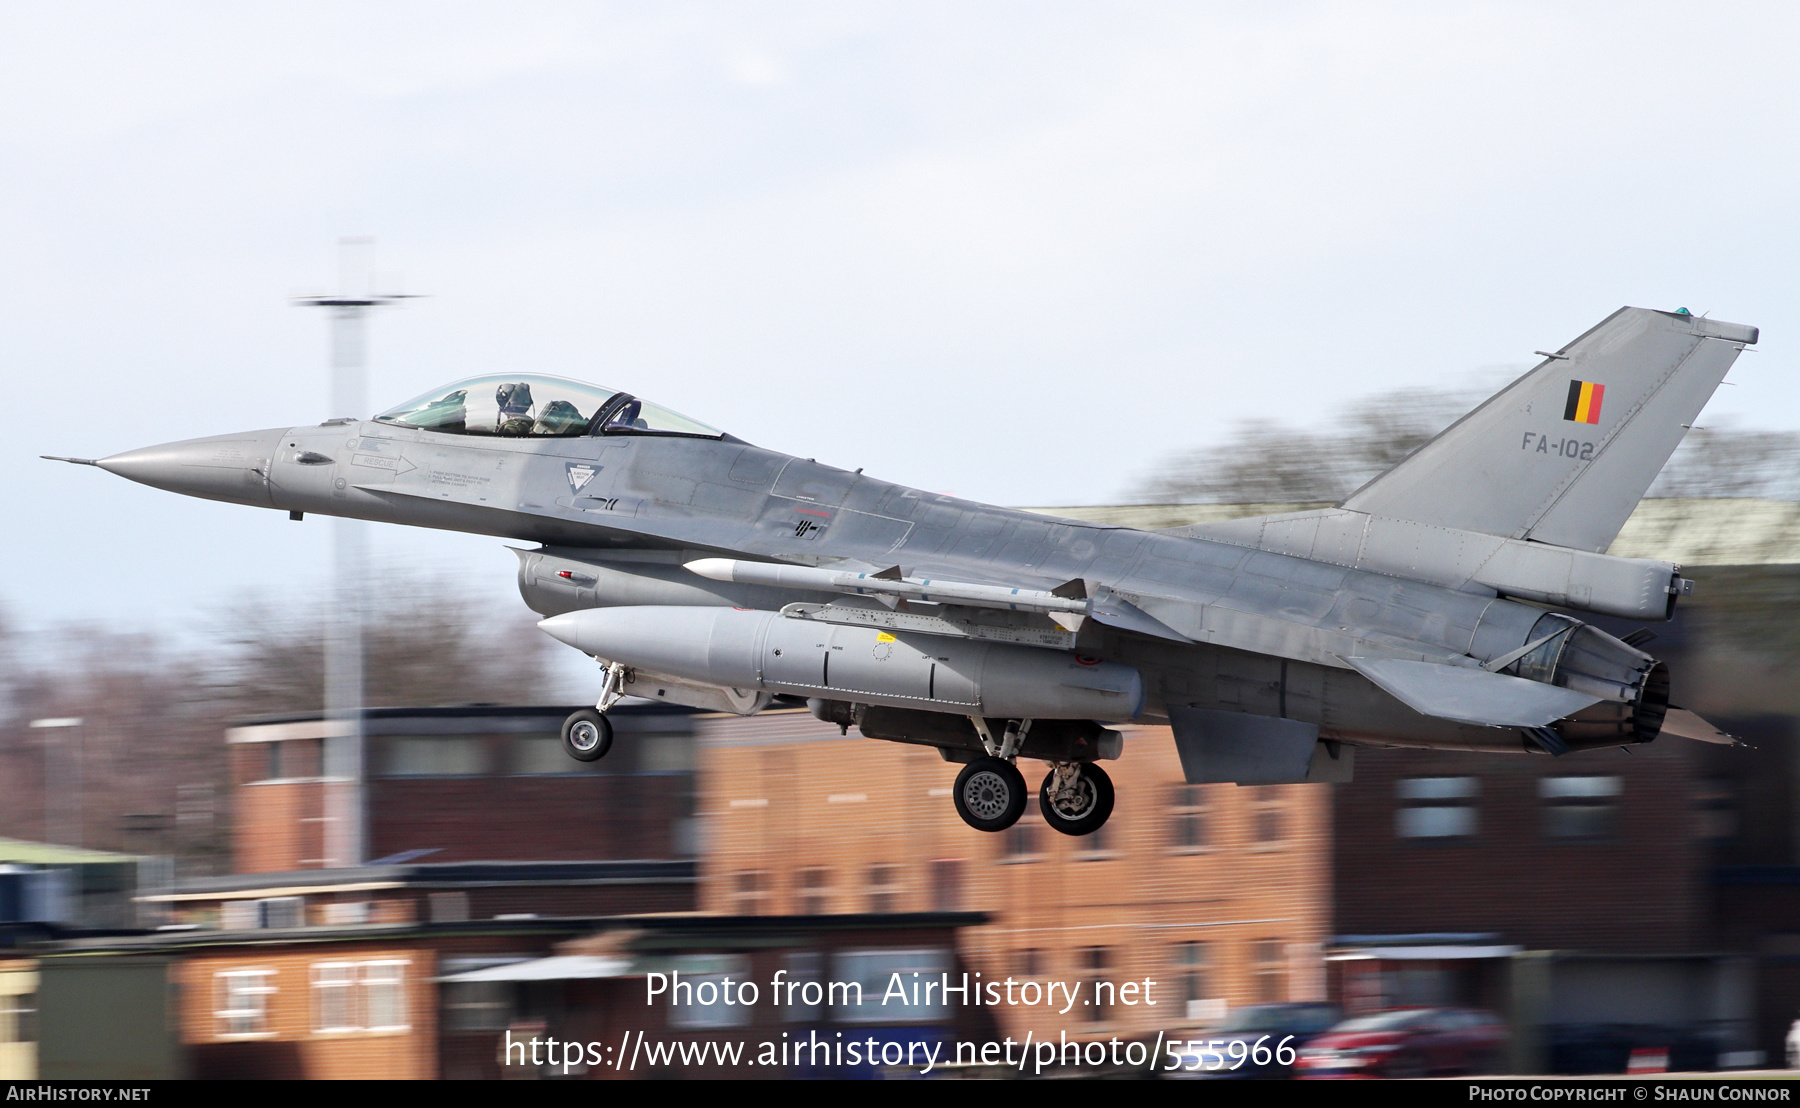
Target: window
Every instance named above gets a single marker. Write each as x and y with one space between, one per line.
18 1018
1579 807
361 996
805 1002
704 1004
748 890
1095 959
1193 965
542 754
384 995
1096 845
1028 962
273 771
874 969
1269 970
946 885
1268 818
1187 819
884 887
1021 840
435 756
334 996
815 891
451 906
242 1001
476 1005
283 911
513 405
1436 807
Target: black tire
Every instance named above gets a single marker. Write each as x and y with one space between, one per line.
990 794
1093 806
587 735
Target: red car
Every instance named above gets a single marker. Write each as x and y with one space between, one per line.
1407 1042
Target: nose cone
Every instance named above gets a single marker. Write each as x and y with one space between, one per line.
564 629
232 468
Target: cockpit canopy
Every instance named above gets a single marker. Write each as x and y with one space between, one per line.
522 404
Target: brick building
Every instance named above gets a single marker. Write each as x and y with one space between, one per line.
422 1001
1598 851
1220 894
464 784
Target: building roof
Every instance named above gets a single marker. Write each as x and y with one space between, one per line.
23 852
245 886
1690 532
655 931
631 706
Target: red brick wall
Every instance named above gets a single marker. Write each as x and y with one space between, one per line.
573 818
289 1047
1640 890
277 826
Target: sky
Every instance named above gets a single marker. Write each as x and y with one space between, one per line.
1013 251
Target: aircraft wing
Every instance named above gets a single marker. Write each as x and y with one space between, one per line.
1472 696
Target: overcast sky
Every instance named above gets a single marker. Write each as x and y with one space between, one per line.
1012 251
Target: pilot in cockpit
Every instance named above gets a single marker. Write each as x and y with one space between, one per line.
559 417
514 400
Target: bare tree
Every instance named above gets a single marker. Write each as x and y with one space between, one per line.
423 645
1263 462
147 768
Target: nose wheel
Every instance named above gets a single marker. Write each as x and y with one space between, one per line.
1076 797
587 735
990 794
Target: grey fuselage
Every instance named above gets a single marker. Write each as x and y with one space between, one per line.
621 513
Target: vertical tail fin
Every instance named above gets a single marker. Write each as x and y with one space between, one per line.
1563 454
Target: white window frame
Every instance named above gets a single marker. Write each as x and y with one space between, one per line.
347 985
368 980
227 990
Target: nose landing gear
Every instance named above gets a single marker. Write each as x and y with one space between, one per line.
587 734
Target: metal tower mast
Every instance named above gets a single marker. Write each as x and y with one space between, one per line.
346 814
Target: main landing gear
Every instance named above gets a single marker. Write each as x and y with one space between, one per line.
587 734
1076 797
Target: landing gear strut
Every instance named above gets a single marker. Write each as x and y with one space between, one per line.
587 734
1076 797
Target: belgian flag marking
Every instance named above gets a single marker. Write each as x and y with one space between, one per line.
1584 402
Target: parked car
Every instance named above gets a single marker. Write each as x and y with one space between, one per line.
1407 1042
1260 1040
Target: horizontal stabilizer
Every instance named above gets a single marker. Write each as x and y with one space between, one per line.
1472 696
1218 747
1684 724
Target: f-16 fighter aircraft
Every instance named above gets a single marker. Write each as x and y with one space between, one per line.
1427 610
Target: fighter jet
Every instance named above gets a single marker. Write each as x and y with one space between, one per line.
1429 609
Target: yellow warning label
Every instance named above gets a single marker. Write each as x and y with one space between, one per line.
885 637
